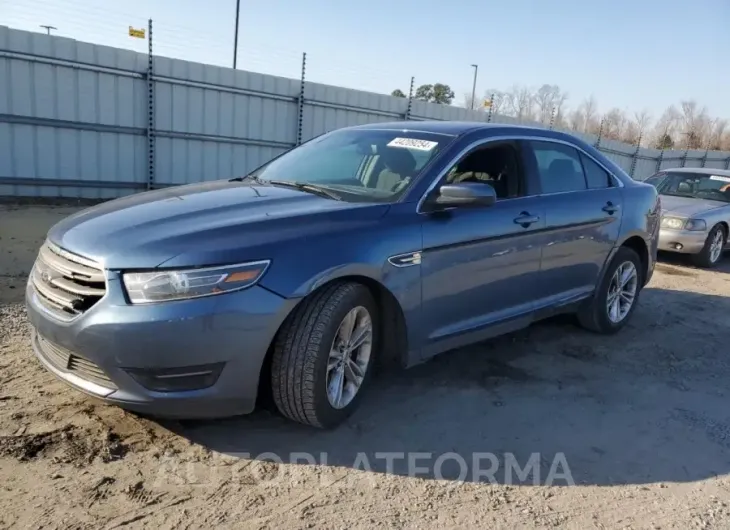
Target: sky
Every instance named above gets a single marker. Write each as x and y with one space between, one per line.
634 55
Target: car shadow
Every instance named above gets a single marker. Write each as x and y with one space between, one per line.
669 262
646 405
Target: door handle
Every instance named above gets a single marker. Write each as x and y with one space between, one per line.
525 219
611 208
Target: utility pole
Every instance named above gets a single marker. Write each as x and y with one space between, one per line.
474 86
235 38
48 28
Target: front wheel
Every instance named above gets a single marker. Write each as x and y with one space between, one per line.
711 253
323 355
615 298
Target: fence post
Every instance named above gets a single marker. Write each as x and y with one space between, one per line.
300 112
597 145
491 106
636 156
727 163
659 161
552 118
684 156
150 110
410 100
707 151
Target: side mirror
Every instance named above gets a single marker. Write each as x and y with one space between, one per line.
466 194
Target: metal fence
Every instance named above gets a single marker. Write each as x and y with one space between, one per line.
90 121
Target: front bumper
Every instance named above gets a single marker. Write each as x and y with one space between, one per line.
683 241
113 340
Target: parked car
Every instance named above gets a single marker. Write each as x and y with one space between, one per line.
390 242
696 212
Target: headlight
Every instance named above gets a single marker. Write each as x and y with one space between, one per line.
673 223
162 286
696 224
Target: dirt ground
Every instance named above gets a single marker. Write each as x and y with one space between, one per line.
638 424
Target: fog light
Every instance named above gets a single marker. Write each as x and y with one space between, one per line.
182 379
678 246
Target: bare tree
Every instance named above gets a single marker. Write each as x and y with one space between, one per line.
666 129
614 124
549 99
469 104
576 120
630 134
695 124
589 108
716 141
497 100
519 102
642 119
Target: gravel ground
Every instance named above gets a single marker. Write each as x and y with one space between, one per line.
631 431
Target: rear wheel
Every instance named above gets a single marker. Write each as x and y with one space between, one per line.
615 298
711 253
323 355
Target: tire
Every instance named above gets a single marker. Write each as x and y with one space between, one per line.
704 258
594 315
299 365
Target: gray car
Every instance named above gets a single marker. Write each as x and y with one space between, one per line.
385 243
696 212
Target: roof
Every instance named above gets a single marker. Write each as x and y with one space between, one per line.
700 170
454 128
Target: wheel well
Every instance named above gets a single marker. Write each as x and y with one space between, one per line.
638 245
725 228
392 323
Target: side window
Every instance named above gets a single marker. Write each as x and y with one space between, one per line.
559 166
596 177
496 165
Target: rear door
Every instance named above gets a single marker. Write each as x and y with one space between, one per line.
582 204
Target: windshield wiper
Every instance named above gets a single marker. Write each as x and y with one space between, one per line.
312 188
303 186
254 178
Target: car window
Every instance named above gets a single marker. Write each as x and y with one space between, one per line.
596 177
559 167
695 185
656 179
345 161
496 165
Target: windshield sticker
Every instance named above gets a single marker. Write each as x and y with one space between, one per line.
721 179
412 143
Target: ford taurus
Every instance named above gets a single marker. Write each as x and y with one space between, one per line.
377 244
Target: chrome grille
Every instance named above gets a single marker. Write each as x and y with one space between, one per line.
68 362
66 284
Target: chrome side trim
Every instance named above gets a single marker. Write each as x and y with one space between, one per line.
405 260
483 141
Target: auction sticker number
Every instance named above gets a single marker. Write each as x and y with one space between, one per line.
721 179
412 143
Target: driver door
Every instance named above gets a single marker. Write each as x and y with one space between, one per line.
481 266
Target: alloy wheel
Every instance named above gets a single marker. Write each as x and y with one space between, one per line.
349 357
622 292
718 242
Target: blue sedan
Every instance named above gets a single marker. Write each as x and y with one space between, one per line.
391 242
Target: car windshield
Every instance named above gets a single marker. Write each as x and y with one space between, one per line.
693 185
356 165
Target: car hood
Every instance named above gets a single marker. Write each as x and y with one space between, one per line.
202 224
688 206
